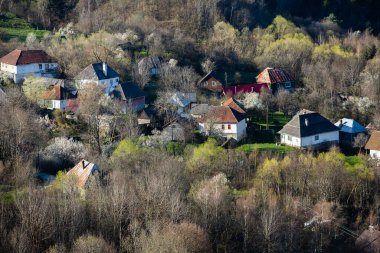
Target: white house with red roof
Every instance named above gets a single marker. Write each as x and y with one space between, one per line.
23 62
225 121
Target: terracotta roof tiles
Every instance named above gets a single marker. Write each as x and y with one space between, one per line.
28 56
374 141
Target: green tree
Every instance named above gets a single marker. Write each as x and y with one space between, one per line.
33 88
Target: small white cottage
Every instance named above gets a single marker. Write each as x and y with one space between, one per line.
309 129
224 121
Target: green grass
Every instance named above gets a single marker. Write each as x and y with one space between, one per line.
353 160
275 120
234 78
265 147
7 34
13 27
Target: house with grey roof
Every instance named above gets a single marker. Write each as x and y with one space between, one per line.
130 94
309 129
151 65
100 73
348 130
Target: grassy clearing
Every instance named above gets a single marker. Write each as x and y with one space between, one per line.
12 27
265 147
234 78
275 120
7 34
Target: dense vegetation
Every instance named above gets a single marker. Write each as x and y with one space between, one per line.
192 196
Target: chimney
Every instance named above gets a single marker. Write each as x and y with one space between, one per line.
83 164
105 69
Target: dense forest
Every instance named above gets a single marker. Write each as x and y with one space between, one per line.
193 195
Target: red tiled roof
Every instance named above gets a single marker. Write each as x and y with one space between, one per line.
374 141
57 90
274 75
221 114
231 91
22 57
234 105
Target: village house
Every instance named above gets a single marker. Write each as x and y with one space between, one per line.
182 102
20 63
83 170
147 117
211 82
198 110
309 129
277 79
100 73
224 121
373 145
131 95
151 65
348 130
58 95
231 91
232 103
173 132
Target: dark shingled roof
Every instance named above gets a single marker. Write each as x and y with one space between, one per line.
307 123
128 90
28 56
95 72
209 75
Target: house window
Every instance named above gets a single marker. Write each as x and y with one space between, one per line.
40 66
229 127
316 138
213 83
288 85
289 138
46 66
223 127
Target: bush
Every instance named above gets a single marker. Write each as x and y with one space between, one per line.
92 244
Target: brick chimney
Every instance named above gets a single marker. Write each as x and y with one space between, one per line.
105 69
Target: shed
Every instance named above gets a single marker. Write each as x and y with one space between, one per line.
348 130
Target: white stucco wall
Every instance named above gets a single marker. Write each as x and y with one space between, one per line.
237 131
110 84
310 140
19 72
323 137
375 154
290 140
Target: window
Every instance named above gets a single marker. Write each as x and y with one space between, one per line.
289 138
288 84
46 66
223 127
40 66
229 127
316 138
213 83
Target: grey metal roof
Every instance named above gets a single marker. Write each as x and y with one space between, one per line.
200 109
307 123
95 72
350 126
